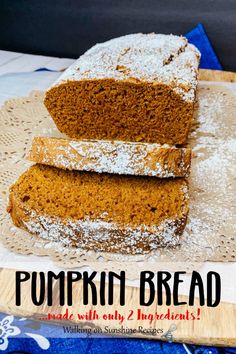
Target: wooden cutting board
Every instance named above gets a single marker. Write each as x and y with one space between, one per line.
217 326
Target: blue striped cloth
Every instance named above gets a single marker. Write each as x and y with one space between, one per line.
199 38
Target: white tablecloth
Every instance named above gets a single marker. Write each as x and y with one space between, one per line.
18 76
11 62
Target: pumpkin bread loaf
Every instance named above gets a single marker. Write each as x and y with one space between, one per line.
112 157
139 87
94 211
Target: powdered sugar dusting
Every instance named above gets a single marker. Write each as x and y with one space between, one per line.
213 173
113 157
102 235
153 58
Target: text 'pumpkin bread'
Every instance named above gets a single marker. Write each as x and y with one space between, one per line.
95 211
140 87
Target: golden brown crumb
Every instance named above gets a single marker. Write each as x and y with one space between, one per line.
98 211
122 199
120 110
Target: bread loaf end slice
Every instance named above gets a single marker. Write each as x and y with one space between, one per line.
111 213
118 157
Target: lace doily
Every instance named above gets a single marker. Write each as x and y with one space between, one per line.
210 231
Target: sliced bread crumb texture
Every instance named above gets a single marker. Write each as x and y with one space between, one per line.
139 87
112 157
111 213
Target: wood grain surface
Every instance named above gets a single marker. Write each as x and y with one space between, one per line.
217 326
216 75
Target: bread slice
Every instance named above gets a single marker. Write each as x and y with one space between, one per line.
112 157
111 213
140 87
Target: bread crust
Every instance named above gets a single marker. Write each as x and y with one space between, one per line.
98 234
112 157
133 88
